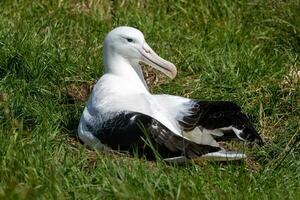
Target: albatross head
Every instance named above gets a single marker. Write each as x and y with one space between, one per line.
128 45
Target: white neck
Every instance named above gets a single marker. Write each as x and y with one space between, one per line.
119 66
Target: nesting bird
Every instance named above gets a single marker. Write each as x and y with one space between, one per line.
121 114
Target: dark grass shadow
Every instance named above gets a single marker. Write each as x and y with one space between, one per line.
75 96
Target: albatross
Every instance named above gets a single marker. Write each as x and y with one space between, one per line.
122 115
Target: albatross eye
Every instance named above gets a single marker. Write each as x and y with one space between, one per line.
129 40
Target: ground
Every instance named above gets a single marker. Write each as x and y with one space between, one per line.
51 55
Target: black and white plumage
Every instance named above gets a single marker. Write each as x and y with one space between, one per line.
121 113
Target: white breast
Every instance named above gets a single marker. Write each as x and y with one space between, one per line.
112 94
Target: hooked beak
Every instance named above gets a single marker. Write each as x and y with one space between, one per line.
149 57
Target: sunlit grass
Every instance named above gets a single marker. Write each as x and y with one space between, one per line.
51 54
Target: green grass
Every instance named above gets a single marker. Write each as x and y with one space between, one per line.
244 51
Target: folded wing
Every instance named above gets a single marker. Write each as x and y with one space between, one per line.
139 133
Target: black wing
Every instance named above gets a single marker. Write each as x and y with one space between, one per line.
213 115
140 133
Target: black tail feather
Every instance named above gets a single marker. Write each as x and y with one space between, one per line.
229 118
